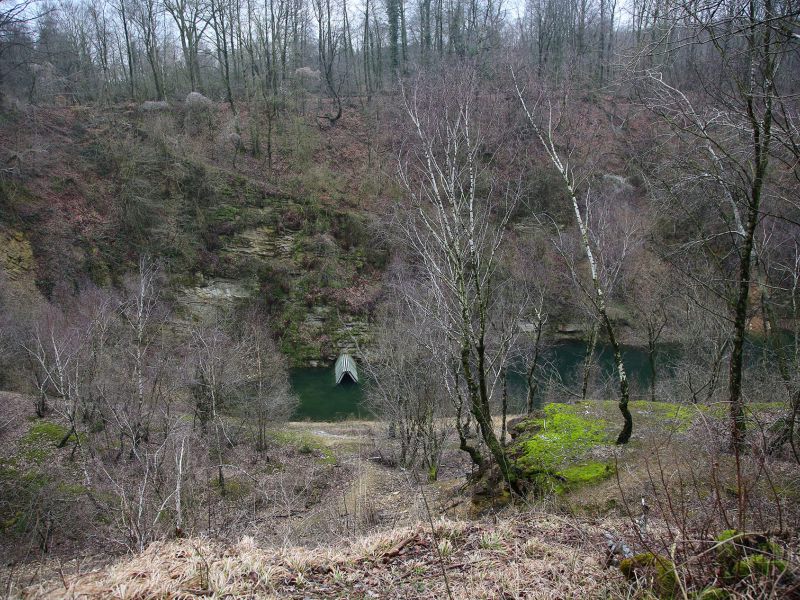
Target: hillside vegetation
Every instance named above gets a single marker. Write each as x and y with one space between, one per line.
559 239
361 528
116 184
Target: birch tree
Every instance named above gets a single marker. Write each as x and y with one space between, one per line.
455 227
144 386
596 293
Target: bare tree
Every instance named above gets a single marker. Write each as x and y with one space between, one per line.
455 226
597 293
265 395
189 18
406 381
67 351
144 356
734 136
652 299
214 375
237 376
532 349
328 45
146 15
15 17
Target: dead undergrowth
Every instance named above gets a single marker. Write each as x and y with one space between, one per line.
528 556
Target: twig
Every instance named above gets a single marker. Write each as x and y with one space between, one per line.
435 539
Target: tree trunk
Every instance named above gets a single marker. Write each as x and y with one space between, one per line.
588 359
760 130
598 298
532 380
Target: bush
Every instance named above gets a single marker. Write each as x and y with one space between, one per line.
349 229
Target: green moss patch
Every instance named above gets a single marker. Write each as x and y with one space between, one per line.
657 571
554 450
41 439
587 473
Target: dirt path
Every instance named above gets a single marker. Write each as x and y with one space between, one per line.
374 496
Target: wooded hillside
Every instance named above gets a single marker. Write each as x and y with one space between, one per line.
197 196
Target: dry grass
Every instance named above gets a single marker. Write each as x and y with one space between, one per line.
527 556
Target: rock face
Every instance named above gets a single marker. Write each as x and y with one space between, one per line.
262 242
17 255
314 329
204 301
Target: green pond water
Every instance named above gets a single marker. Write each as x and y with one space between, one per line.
321 400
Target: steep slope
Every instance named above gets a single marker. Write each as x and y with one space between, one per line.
89 190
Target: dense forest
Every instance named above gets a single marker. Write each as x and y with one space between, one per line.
200 199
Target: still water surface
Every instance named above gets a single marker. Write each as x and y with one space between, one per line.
321 400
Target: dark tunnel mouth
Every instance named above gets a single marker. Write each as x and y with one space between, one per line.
347 379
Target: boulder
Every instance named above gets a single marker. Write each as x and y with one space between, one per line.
236 141
196 102
524 424
154 105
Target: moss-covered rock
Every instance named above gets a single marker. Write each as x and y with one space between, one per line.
587 473
744 555
561 435
758 565
713 593
658 572
553 449
529 424
732 545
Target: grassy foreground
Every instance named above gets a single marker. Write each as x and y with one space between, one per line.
535 556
